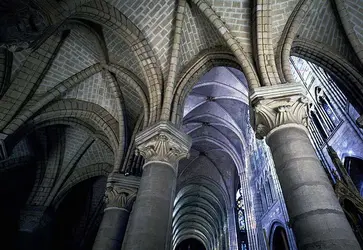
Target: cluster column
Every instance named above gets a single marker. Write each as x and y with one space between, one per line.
119 198
316 217
162 146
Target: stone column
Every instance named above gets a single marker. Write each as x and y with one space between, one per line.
119 198
315 214
162 146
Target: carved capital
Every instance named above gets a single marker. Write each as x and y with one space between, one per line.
163 142
279 109
119 197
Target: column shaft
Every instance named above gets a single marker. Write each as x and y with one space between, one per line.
162 145
150 221
315 213
119 197
112 229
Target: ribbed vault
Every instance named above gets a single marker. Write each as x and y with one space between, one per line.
104 70
200 212
216 114
216 117
65 155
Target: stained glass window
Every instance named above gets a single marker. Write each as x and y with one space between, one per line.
244 246
330 113
240 212
241 221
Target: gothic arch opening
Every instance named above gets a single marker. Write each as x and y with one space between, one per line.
17 177
199 213
190 244
78 216
343 73
333 120
354 167
355 217
335 132
54 156
279 239
216 116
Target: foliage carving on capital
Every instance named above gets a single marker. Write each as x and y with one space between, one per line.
271 113
163 142
163 147
119 197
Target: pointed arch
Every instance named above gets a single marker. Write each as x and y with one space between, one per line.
202 63
326 58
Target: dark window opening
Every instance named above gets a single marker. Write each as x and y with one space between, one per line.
279 239
190 244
